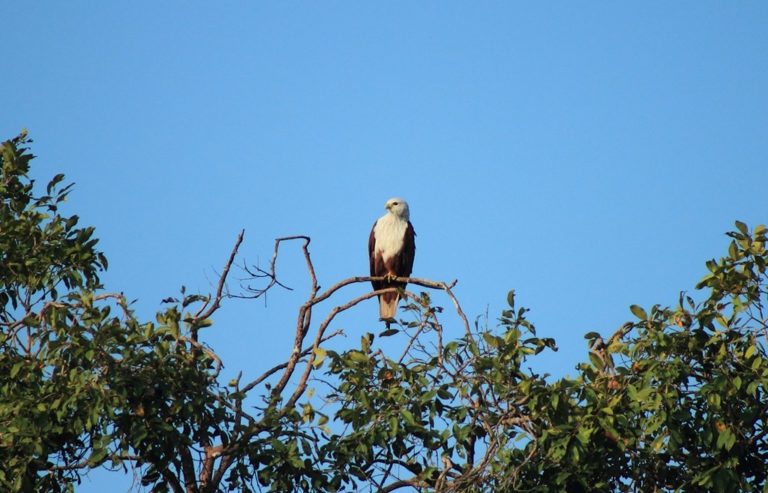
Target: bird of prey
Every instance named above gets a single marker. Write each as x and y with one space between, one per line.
391 249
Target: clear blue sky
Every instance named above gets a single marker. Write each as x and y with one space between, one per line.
588 155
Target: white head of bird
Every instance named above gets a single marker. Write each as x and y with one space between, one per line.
398 207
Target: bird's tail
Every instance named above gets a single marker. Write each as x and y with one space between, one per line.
388 306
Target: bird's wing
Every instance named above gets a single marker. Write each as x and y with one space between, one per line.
408 253
372 249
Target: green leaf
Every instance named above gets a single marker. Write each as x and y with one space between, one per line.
733 251
583 435
357 356
491 340
737 382
725 439
320 354
752 388
408 417
750 351
54 181
98 455
742 227
639 312
365 342
597 361
642 394
511 298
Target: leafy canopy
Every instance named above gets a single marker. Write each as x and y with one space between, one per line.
673 400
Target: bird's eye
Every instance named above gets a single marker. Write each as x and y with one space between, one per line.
394 203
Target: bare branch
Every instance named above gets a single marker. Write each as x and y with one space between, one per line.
406 483
202 314
271 274
279 367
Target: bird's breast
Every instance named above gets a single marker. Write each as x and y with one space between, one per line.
389 234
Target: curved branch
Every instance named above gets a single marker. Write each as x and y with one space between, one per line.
405 483
279 367
427 283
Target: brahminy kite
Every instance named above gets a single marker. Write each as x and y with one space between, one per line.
391 249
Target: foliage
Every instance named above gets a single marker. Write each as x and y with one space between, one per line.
40 251
676 399
83 387
673 400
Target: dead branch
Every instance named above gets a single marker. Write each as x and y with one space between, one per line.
204 313
271 274
279 367
427 283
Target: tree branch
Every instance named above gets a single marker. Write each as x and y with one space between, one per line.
405 483
279 367
271 274
204 313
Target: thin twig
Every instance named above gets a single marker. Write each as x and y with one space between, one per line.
202 314
271 274
279 367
